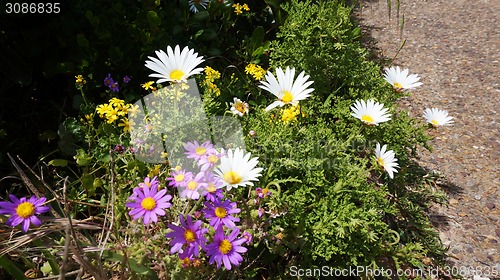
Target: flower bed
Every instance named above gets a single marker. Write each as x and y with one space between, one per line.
246 155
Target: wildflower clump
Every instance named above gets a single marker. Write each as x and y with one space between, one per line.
239 8
116 110
255 71
211 75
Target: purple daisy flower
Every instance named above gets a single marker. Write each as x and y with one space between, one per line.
187 237
226 249
126 79
114 87
23 211
194 187
248 236
196 151
148 203
108 81
149 183
262 192
210 160
220 213
213 191
179 177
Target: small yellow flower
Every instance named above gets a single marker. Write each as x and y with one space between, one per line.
238 9
80 80
148 85
256 71
103 109
126 123
132 110
211 74
290 114
154 171
118 103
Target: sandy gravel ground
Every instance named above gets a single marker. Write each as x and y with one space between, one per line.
455 47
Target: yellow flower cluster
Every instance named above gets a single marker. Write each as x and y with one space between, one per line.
290 114
148 86
256 71
210 76
238 9
116 109
80 80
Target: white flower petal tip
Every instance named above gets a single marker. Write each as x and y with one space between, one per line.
174 66
437 118
386 159
286 88
370 112
400 80
195 4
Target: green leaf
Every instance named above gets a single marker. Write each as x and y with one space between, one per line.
201 16
82 41
58 162
11 268
153 19
82 158
256 39
134 266
205 35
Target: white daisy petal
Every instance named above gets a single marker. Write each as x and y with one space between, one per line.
174 65
436 117
386 159
370 112
237 169
400 80
285 88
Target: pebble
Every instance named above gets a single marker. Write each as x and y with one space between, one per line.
490 205
497 231
477 197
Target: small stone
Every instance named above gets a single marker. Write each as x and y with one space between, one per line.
477 197
490 205
462 214
497 231
453 201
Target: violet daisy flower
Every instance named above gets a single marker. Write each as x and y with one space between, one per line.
114 87
226 249
179 177
108 81
262 192
220 212
126 79
210 160
23 211
194 187
148 203
149 183
196 151
187 237
213 191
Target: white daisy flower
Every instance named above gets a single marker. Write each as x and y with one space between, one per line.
437 117
400 80
174 66
237 169
285 88
370 112
239 107
386 159
194 3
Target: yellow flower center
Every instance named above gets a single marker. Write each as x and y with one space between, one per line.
213 159
179 177
265 191
225 246
25 210
397 86
211 188
434 123
200 151
148 203
220 212
189 235
176 75
380 161
240 107
232 177
192 185
367 119
287 97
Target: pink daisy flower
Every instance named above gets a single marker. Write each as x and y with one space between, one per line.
194 187
187 237
226 249
196 151
220 212
179 177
